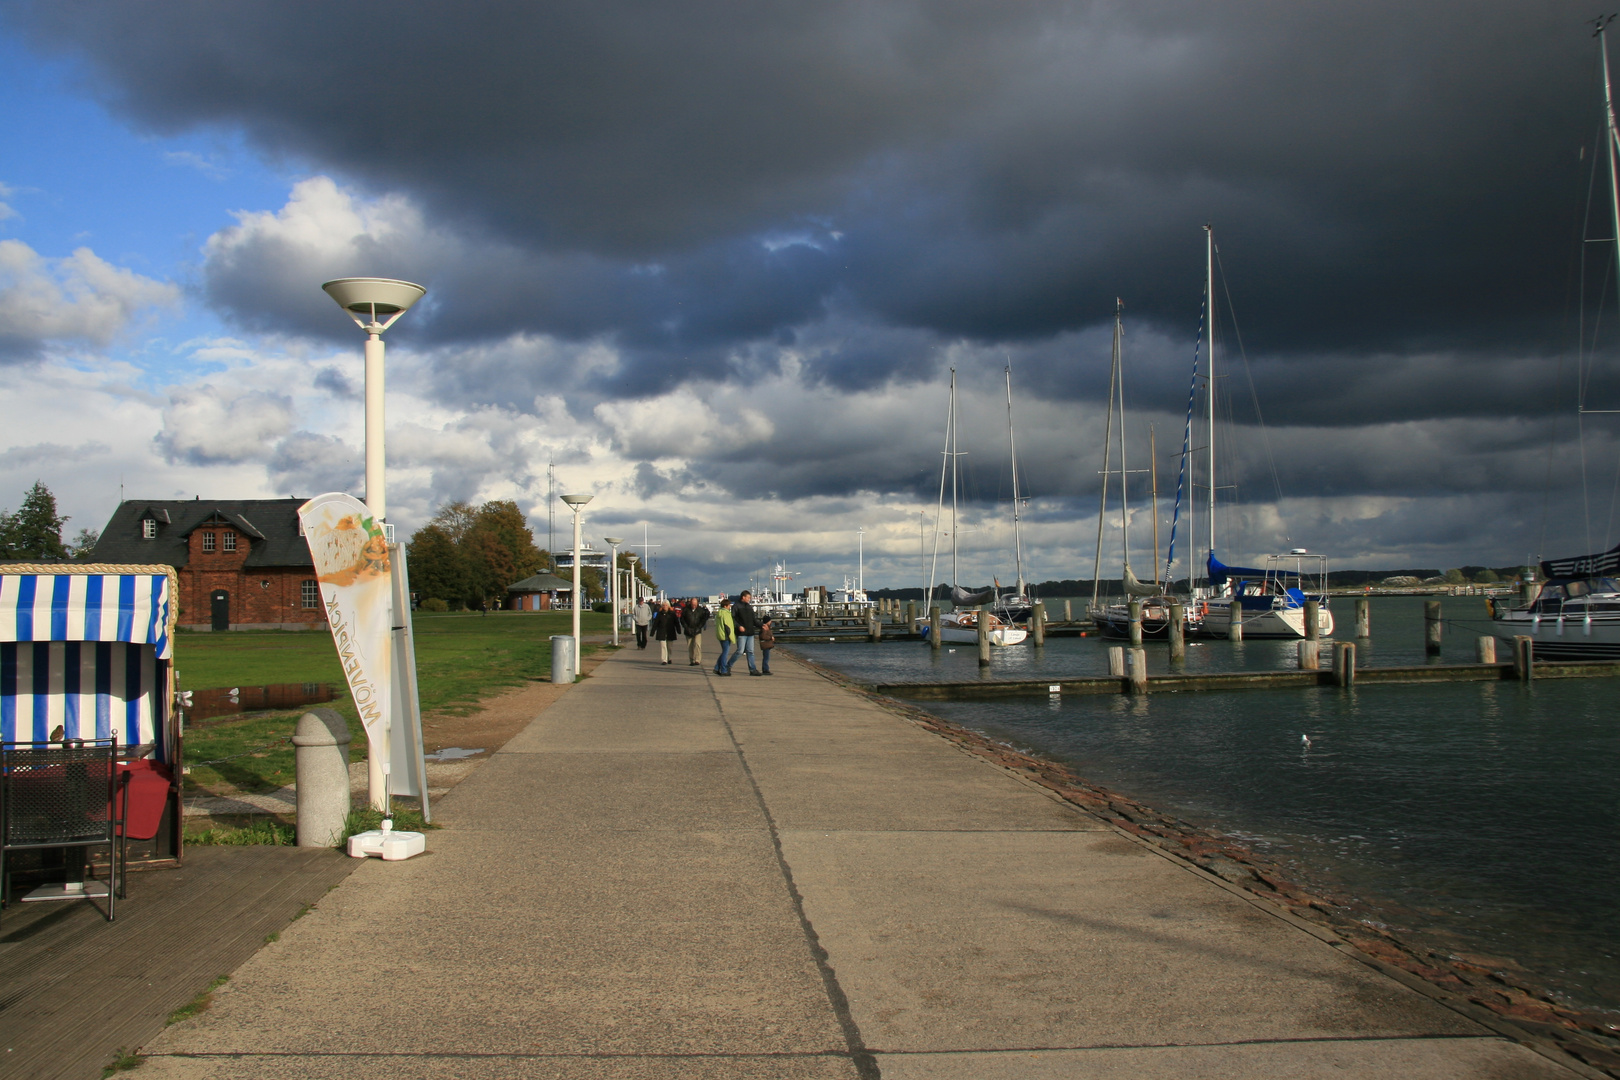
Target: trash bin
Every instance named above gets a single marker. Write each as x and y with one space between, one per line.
563 667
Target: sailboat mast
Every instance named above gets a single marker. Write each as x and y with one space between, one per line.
1153 472
955 449
1124 478
939 507
1102 509
1613 133
1209 301
1012 448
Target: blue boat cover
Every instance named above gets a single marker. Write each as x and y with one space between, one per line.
1219 571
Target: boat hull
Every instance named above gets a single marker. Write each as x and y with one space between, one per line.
1566 637
1274 622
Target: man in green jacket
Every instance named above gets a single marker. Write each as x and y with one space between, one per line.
726 630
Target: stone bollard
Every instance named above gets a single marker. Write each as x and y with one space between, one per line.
1310 655
321 770
1134 612
982 627
1178 634
563 668
1037 622
1313 620
935 632
1431 627
1234 620
1485 649
1524 657
1363 617
1116 661
1136 670
1068 614
1344 663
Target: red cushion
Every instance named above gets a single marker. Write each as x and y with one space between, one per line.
142 797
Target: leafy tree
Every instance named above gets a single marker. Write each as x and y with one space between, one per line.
1487 577
83 544
35 530
438 566
1454 577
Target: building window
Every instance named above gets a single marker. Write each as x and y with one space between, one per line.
148 528
208 541
312 594
230 540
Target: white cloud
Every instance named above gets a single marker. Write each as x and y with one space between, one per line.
682 425
79 298
204 424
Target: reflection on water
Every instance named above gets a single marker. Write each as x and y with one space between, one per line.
227 701
1479 816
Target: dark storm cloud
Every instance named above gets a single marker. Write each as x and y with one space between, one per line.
1391 173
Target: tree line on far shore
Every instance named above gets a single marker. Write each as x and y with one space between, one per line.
470 555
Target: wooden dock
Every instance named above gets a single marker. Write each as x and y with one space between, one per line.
75 988
1238 680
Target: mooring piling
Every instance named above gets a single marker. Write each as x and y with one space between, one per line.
1344 663
1524 657
1037 622
1485 649
1134 608
934 633
1136 670
982 627
1116 661
1363 617
1431 627
1313 620
1310 655
1178 634
1234 620
1068 615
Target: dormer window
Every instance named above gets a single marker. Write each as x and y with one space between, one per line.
148 528
209 540
230 540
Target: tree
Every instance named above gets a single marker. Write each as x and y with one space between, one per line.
1454 577
35 530
1487 577
84 544
438 567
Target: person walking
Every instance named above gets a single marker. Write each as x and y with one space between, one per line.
725 630
642 615
666 627
767 642
693 623
742 614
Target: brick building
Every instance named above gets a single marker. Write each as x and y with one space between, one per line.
243 563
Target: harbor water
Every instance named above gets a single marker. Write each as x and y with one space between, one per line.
1476 819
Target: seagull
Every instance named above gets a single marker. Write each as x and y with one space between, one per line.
1305 740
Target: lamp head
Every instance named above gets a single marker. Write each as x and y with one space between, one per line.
576 501
374 302
614 540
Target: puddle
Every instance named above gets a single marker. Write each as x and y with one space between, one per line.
230 701
451 753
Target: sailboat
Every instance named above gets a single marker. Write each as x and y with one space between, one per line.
1017 606
1575 615
962 625
1271 599
1114 619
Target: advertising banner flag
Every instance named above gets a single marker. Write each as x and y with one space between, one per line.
352 566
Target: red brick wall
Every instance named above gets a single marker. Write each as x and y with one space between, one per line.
259 596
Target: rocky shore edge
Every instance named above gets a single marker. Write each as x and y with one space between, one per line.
1513 1002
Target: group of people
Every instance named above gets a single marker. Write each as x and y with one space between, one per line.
742 632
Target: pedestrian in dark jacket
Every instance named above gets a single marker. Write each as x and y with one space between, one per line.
742 612
666 627
767 642
692 624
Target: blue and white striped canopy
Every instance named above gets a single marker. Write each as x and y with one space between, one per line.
133 608
80 651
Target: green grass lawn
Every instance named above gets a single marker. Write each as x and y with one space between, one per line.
460 659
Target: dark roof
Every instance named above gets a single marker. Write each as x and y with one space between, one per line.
271 526
541 583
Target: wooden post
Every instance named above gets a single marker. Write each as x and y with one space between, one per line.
1134 610
982 626
874 627
1313 620
1431 627
911 615
1116 661
1524 657
1485 649
1234 620
1310 655
934 630
1363 617
1037 622
1136 670
1344 663
1068 615
1178 634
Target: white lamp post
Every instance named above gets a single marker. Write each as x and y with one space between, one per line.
613 543
576 503
860 561
374 304
635 586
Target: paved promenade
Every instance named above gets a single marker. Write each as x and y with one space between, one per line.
672 875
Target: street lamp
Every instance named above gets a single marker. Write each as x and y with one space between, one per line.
374 304
860 561
576 503
613 543
630 576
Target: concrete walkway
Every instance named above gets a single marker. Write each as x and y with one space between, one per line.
672 875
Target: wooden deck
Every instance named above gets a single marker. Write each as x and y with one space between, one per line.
75 988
